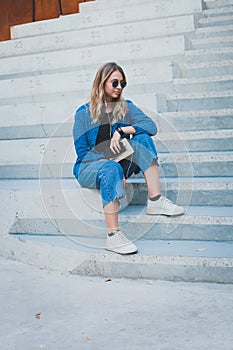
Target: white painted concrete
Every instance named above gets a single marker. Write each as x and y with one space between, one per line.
134 52
110 16
100 35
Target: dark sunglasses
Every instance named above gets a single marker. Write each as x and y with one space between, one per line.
116 82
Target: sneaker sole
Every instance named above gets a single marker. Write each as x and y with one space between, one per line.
148 212
121 253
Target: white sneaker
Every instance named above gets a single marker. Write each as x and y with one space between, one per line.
118 243
163 206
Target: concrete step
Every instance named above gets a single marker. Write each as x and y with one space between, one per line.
218 11
200 164
70 60
170 5
194 141
160 260
108 16
213 83
100 5
207 69
195 191
159 247
54 157
222 41
101 35
215 21
169 138
195 120
218 3
39 120
41 103
208 32
36 120
209 55
200 100
77 84
191 227
54 207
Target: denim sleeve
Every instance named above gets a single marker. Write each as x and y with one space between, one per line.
140 121
79 134
84 135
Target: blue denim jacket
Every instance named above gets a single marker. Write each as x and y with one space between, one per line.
85 131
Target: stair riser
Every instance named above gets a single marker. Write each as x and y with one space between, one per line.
178 124
176 273
199 104
201 34
208 57
40 96
93 56
218 22
204 169
109 17
207 72
140 76
198 123
151 231
101 35
161 9
195 145
205 86
205 144
49 210
39 120
34 171
199 46
218 3
36 131
214 197
220 12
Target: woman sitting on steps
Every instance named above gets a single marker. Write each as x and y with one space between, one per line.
98 130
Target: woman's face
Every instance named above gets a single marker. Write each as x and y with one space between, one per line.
110 91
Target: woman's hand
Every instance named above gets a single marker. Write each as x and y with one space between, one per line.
115 143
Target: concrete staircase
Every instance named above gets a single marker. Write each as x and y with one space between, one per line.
178 57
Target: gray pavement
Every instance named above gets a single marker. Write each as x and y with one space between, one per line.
79 313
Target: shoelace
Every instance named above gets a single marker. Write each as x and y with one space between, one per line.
120 234
167 200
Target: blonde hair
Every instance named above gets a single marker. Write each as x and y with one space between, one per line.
97 101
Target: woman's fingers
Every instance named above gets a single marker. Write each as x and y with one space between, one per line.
115 143
115 146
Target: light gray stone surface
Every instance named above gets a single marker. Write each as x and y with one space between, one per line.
100 35
91 313
60 60
111 15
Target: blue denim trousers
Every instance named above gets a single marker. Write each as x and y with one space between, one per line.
107 175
